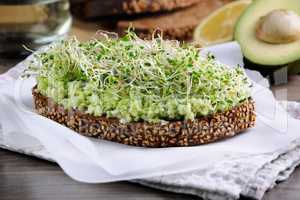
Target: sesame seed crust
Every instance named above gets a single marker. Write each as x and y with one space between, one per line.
98 8
179 25
169 134
142 6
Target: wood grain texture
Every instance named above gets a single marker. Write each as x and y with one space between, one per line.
27 178
7 63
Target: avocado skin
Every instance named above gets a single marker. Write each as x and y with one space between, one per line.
269 72
263 69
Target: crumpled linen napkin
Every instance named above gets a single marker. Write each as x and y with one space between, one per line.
249 176
231 179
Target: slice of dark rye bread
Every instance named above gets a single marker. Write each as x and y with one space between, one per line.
98 8
169 134
177 25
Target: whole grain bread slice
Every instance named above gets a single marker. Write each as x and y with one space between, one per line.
99 8
177 25
168 134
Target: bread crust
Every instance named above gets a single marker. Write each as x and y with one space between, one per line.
169 134
179 25
142 6
100 8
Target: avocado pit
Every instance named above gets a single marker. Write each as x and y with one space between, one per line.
279 27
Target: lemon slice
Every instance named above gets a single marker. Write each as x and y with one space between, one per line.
218 27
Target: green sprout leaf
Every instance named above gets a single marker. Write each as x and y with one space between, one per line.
137 80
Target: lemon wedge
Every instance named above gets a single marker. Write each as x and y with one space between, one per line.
219 26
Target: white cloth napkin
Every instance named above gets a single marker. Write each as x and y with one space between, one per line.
225 169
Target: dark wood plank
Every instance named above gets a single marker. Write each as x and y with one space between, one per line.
291 91
27 178
7 63
288 190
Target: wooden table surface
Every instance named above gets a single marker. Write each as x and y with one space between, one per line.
26 178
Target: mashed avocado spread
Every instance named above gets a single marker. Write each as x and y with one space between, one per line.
137 80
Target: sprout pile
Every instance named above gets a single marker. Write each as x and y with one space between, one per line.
136 80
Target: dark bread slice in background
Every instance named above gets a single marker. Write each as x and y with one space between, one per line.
169 134
98 8
177 25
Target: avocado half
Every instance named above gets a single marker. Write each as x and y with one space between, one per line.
260 52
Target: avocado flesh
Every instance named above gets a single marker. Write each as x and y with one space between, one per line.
260 52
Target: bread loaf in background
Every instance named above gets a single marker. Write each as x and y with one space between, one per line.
98 8
177 25
122 14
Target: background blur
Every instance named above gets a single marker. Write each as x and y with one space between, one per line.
34 23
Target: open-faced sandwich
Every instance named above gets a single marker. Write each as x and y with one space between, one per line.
154 93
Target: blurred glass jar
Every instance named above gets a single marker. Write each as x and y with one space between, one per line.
32 23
